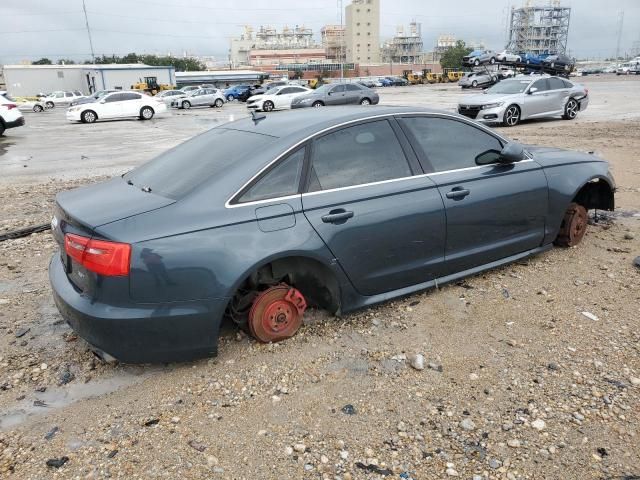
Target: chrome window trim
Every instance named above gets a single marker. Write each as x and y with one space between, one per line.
228 203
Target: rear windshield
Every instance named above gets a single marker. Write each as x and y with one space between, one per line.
180 170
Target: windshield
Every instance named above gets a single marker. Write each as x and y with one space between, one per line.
180 170
509 86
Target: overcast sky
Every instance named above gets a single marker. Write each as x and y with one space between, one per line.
34 28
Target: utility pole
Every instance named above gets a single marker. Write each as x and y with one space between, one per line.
620 24
342 36
86 20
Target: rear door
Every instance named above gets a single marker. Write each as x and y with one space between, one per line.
353 93
493 210
112 106
131 104
383 223
559 94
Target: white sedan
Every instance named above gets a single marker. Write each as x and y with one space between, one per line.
122 104
507 56
277 98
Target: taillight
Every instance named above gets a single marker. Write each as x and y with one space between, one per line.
100 256
586 91
10 106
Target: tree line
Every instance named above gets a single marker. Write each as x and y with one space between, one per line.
179 63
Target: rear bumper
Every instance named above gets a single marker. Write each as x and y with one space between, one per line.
139 333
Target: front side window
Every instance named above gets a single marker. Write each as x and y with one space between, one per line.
338 89
357 155
286 91
450 144
542 85
280 181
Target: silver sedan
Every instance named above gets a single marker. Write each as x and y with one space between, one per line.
209 97
525 97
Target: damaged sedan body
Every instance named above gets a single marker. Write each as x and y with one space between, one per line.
259 219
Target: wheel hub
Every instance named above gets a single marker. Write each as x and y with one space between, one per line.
276 313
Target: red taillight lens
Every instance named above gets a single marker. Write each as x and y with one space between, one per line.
105 258
10 106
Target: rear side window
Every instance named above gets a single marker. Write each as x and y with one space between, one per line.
542 85
450 144
181 169
352 88
567 84
338 89
280 181
556 83
116 97
356 155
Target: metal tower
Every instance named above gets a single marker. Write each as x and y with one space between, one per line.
539 29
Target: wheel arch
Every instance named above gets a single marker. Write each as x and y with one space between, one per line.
596 193
312 276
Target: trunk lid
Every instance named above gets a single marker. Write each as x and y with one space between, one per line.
102 203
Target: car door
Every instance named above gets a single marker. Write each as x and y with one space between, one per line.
539 102
111 106
296 92
353 93
336 96
383 223
282 99
493 210
559 94
130 104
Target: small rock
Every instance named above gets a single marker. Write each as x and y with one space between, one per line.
629 236
65 377
262 433
467 424
197 445
21 333
51 433
635 381
451 472
538 424
44 366
473 376
288 451
512 343
416 360
513 443
308 467
435 366
151 422
344 454
368 452
494 463
324 459
348 409
57 462
578 416
300 447
506 426
175 419
211 461
275 399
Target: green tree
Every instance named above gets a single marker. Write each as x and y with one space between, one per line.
179 63
66 61
452 58
42 61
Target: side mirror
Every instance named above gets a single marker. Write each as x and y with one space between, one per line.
532 90
511 153
329 93
103 101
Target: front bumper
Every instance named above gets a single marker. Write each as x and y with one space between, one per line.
489 115
137 332
18 122
73 116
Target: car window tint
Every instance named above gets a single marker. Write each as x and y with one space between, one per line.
355 155
298 90
338 89
285 91
450 144
542 85
352 88
68 94
556 83
179 170
130 96
116 97
567 84
279 181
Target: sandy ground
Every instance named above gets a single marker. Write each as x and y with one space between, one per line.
518 382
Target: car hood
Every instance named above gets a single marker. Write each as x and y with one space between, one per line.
102 203
552 156
483 99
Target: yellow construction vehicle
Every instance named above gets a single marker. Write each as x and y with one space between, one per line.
452 75
433 78
414 79
151 85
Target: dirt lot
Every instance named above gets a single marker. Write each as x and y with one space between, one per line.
518 381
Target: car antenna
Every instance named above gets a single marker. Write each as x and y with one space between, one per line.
256 118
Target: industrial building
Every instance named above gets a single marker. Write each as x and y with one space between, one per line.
28 80
333 42
362 31
405 47
539 29
297 39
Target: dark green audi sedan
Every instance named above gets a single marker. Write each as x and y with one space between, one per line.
342 208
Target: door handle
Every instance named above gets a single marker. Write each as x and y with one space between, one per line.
337 216
458 193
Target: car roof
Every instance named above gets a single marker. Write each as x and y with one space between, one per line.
307 121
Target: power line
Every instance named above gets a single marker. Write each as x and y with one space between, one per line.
173 5
86 19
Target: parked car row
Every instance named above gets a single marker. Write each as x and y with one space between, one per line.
558 61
